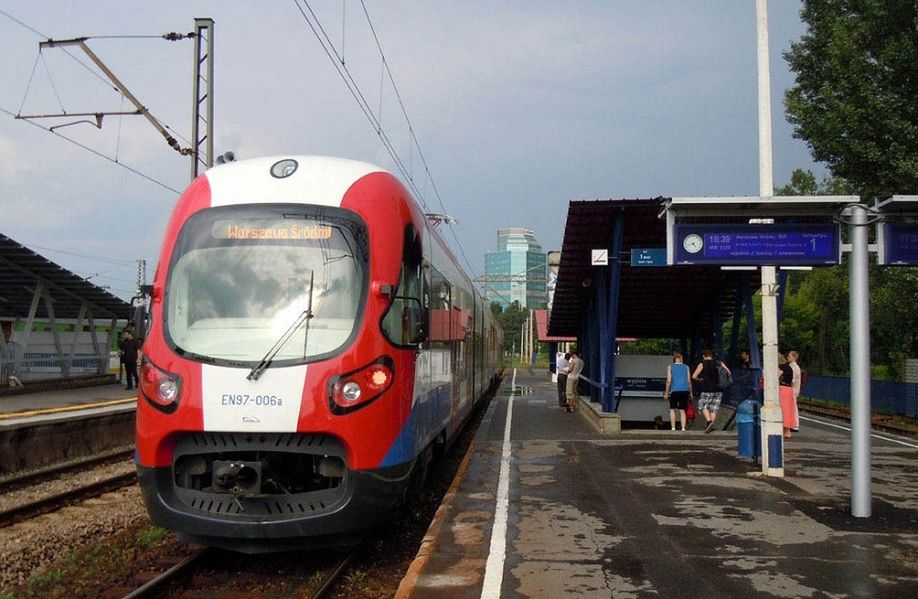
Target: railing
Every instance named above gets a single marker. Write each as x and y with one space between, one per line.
41 361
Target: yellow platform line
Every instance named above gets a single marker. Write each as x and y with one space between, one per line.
87 406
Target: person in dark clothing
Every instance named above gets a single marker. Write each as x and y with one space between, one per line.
563 365
711 393
129 350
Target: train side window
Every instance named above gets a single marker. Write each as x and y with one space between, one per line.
405 322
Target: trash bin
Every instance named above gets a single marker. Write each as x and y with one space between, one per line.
749 435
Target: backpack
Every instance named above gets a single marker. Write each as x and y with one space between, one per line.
724 378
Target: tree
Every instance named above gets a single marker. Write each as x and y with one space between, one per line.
803 183
816 314
510 319
854 98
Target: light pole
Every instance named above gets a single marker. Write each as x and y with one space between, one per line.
772 421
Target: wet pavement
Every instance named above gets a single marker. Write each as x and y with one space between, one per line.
664 514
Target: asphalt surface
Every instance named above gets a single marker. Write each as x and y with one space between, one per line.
664 514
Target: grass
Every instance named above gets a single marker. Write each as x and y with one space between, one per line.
151 536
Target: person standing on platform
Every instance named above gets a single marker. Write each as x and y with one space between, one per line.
787 397
562 367
678 389
792 358
709 387
129 351
573 379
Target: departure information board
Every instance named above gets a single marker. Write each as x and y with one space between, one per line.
781 244
900 244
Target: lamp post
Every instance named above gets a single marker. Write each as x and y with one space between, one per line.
772 421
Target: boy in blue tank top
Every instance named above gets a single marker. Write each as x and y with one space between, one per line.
678 389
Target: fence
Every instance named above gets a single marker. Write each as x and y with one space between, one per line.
41 361
891 397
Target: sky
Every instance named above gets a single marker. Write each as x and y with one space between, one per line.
519 107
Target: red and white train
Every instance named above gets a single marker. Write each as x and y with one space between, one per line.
312 340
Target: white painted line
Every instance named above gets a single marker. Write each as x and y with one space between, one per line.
845 428
513 381
494 570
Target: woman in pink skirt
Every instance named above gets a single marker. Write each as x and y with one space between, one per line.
786 397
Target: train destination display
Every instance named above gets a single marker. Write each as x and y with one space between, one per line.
900 244
782 244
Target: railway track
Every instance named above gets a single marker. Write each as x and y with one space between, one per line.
52 503
176 576
878 421
17 481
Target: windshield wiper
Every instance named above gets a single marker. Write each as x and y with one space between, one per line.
304 317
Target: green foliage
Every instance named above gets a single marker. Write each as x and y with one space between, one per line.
815 319
854 97
511 319
815 322
151 536
803 183
44 581
646 347
893 317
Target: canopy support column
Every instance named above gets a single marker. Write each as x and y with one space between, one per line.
609 315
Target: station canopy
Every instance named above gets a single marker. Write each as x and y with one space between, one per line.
21 271
654 301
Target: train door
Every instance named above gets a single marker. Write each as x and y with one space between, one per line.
441 358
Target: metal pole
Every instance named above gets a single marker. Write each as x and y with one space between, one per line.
532 335
522 339
860 364
203 51
772 422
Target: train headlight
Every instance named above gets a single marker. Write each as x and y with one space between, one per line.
159 388
356 389
351 391
167 391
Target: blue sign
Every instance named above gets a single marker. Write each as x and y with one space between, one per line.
900 243
648 257
781 244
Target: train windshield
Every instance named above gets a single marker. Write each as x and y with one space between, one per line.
241 276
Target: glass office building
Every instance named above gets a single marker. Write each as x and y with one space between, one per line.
516 272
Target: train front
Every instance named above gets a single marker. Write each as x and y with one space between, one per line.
272 408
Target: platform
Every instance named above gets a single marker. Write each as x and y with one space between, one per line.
45 427
62 404
662 514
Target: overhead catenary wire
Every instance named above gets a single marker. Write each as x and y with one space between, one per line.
412 136
105 259
96 152
338 62
171 36
335 57
67 52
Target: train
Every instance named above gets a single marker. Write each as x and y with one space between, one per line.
312 342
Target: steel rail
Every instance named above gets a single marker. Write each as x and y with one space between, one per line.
335 575
155 586
17 481
55 502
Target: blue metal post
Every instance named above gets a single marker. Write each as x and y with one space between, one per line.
601 308
594 360
610 404
717 332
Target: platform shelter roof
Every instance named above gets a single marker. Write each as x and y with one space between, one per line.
21 270
541 317
654 302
